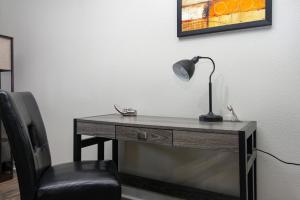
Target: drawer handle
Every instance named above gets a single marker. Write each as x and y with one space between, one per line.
142 135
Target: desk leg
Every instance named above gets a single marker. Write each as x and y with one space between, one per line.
247 162
243 166
101 151
255 168
115 152
76 144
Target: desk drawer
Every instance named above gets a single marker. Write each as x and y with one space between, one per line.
213 141
95 129
148 135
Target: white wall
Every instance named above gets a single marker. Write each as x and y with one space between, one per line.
81 57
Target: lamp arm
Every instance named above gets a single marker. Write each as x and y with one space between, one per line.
210 85
214 66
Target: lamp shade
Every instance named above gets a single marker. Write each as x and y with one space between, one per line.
184 69
5 53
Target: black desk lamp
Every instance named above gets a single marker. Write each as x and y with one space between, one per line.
184 69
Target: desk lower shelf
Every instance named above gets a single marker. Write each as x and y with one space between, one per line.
172 189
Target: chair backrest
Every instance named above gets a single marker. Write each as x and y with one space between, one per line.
28 140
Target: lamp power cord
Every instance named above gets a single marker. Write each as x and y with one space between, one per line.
280 160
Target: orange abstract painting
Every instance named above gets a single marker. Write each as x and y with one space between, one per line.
217 15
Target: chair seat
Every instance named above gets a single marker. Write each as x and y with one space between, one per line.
80 181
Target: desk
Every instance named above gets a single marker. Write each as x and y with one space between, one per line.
239 137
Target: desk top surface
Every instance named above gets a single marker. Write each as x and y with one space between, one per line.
172 123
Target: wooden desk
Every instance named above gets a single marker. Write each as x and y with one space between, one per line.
237 137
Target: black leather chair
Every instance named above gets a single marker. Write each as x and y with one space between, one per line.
38 179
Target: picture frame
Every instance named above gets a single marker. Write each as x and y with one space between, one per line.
6 53
196 17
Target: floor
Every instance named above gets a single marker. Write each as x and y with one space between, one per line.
9 190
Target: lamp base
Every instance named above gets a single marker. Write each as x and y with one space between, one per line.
211 117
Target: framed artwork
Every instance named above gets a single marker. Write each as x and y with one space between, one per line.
210 16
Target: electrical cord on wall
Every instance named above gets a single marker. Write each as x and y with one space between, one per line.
235 118
280 160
